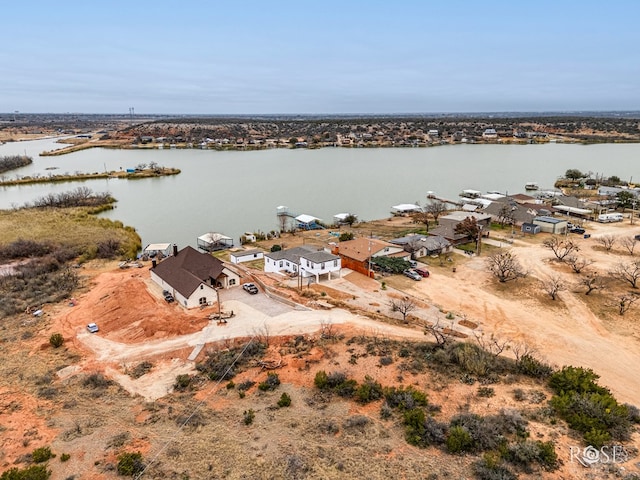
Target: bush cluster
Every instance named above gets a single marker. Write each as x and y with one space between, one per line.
130 464
225 364
271 383
34 472
337 382
11 162
589 408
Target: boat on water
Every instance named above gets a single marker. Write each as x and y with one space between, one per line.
531 186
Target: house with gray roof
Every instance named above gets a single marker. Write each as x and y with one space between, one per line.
304 261
422 245
192 277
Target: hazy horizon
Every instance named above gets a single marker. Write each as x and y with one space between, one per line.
355 58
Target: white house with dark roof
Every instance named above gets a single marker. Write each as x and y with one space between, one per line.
192 277
304 261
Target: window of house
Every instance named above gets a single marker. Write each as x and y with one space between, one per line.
335 263
322 266
201 287
232 281
255 255
281 263
308 263
202 300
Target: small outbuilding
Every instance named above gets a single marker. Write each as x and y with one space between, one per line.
154 250
246 255
551 225
531 228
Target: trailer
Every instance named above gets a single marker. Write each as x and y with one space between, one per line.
610 217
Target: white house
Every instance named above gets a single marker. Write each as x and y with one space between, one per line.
192 277
246 255
304 261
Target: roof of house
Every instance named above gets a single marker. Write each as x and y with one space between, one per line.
460 216
304 218
447 232
362 248
213 237
407 207
152 247
521 197
188 269
242 253
548 220
310 253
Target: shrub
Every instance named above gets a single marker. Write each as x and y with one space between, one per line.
346 389
96 380
248 416
405 399
183 381
491 468
285 400
64 457
42 454
246 385
356 421
271 383
321 380
34 472
141 369
56 340
369 391
384 361
423 431
486 392
523 454
459 440
130 464
531 366
230 385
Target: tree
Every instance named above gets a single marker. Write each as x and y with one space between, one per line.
405 306
625 301
436 209
345 236
627 272
592 282
56 340
573 174
440 333
469 227
350 219
505 215
625 199
505 266
561 247
421 217
577 264
629 244
607 241
554 285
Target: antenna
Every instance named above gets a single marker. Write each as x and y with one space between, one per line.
131 112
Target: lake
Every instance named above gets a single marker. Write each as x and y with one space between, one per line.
235 191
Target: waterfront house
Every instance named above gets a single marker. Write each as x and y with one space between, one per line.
304 261
357 254
422 245
192 277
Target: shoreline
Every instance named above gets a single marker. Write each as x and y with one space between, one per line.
92 176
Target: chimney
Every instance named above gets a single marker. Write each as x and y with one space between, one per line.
153 263
175 249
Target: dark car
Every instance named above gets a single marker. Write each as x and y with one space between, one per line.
251 288
578 230
169 298
422 272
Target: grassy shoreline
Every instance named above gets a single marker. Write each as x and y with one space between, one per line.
148 173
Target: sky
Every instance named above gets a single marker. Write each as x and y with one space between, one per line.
321 57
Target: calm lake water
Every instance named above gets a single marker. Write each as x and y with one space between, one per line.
234 192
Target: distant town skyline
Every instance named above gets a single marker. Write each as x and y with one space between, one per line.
287 57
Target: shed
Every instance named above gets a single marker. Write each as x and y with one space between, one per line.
406 208
212 241
246 255
531 228
551 225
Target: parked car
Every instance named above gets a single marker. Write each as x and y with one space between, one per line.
93 328
578 230
413 263
637 237
169 298
251 288
422 272
412 275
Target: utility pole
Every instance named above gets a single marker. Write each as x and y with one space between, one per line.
479 242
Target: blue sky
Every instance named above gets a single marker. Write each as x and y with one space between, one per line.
244 57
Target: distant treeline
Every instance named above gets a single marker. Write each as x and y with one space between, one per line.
80 197
12 162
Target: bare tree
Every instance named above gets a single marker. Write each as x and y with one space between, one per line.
436 209
577 264
592 282
505 215
505 266
554 285
440 333
629 244
405 306
262 334
607 241
493 344
522 349
561 247
625 301
627 272
327 330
